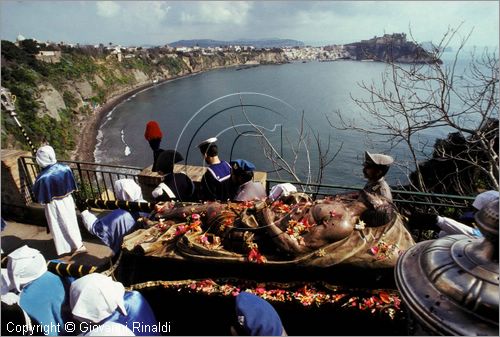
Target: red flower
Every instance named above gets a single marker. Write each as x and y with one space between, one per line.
385 297
260 290
255 256
181 229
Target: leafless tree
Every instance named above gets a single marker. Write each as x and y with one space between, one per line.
303 143
415 98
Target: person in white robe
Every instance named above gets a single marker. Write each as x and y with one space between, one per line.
53 188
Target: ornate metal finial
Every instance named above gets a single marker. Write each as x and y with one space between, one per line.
487 220
451 285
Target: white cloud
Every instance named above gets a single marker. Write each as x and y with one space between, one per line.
107 9
218 12
148 12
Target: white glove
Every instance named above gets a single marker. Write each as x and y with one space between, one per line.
158 191
10 298
162 188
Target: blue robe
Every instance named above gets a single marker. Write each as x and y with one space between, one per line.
45 300
112 227
54 181
139 311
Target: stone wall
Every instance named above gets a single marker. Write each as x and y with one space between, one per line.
16 199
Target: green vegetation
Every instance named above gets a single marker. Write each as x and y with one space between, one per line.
22 74
174 65
84 76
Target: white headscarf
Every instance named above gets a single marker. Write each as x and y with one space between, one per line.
24 265
484 198
284 190
128 190
46 156
110 329
95 297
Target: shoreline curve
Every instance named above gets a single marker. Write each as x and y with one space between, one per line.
87 138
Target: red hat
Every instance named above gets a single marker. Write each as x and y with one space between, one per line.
152 131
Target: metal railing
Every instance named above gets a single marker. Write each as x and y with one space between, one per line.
95 181
400 197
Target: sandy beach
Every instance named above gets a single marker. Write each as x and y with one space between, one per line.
87 139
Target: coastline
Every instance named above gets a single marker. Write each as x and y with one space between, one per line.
87 138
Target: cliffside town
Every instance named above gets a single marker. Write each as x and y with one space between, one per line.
59 86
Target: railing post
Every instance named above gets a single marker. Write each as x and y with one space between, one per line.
79 170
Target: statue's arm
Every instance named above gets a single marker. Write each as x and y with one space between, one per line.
282 239
174 211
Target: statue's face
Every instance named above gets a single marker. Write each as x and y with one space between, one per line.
371 172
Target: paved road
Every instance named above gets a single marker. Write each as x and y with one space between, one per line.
17 234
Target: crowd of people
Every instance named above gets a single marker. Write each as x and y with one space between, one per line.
37 301
104 304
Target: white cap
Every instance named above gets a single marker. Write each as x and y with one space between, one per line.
378 159
24 265
208 141
95 297
484 198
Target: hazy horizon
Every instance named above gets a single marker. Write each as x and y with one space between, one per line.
312 22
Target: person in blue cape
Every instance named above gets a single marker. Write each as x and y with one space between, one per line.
42 295
53 188
256 317
242 180
112 227
97 299
214 183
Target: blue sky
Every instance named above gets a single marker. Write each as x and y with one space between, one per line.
313 22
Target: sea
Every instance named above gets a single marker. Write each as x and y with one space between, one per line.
286 119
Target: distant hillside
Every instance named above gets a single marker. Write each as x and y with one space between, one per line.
257 43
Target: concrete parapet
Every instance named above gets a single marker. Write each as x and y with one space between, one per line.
17 202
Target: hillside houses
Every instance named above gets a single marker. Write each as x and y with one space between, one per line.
49 56
327 53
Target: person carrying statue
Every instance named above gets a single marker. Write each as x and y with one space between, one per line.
112 227
154 135
215 182
245 189
174 185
